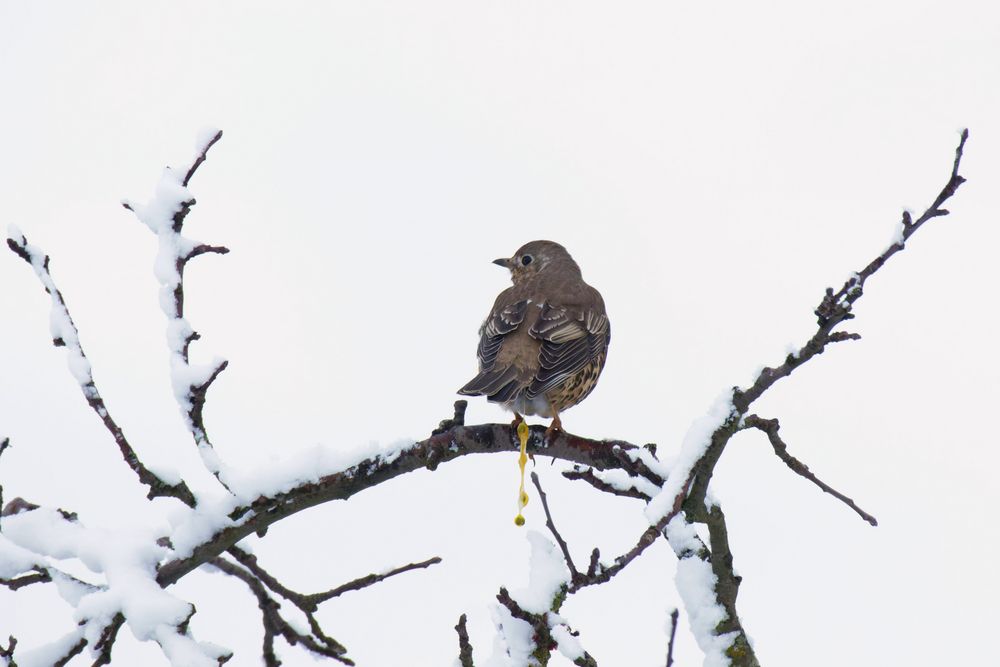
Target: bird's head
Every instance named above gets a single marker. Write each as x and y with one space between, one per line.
537 258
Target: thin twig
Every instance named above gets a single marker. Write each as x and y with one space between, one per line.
673 633
40 576
552 528
7 653
368 580
202 156
4 444
770 428
71 653
275 624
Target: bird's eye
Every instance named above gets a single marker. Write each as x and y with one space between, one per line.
526 260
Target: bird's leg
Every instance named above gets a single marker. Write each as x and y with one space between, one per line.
522 496
554 427
517 420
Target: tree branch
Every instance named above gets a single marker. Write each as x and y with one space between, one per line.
574 573
106 641
770 428
7 653
65 334
4 444
836 308
368 580
440 448
165 216
464 646
673 633
275 625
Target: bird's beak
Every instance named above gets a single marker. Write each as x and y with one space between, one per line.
503 261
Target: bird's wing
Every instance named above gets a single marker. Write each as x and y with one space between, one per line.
500 323
571 337
497 383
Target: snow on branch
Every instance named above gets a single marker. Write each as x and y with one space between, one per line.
64 334
164 215
684 496
134 570
125 563
528 623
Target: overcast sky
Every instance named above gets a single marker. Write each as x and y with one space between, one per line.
711 166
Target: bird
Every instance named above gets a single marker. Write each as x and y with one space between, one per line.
544 343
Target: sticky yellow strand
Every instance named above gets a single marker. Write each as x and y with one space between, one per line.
522 496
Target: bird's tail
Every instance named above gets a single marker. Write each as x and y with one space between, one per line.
491 383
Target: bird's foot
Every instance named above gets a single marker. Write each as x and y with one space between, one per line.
554 429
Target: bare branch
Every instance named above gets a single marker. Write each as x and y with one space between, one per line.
7 653
68 336
309 603
203 248
727 587
275 625
368 580
4 444
770 428
552 528
464 646
673 633
249 561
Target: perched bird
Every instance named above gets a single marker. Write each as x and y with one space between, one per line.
544 343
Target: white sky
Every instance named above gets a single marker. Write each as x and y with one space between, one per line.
712 167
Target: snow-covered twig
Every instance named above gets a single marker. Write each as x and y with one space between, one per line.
770 428
65 334
618 487
35 536
548 631
164 214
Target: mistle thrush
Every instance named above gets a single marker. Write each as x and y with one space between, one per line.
544 343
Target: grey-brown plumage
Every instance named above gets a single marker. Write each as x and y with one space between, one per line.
544 343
